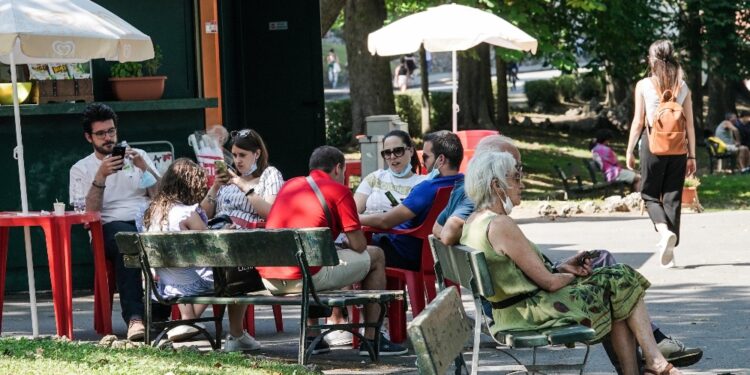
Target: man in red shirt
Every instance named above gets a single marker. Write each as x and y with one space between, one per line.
298 206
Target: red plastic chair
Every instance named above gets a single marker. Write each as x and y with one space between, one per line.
419 284
353 168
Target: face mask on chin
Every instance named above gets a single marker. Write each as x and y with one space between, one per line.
250 171
507 203
403 173
434 172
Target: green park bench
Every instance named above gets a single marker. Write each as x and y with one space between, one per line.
436 343
573 182
468 267
251 248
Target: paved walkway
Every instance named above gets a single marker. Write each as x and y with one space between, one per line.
705 301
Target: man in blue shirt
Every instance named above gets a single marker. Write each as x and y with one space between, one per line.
442 155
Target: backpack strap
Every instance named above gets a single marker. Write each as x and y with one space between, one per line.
322 199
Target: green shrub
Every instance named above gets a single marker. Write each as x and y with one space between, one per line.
409 109
566 86
338 122
542 92
590 86
440 114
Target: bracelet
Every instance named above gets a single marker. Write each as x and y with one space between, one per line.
250 191
691 157
94 184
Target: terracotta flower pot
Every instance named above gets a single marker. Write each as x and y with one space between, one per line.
689 195
138 88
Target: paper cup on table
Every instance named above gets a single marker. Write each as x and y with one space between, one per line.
59 208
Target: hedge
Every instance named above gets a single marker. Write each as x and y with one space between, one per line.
408 107
543 92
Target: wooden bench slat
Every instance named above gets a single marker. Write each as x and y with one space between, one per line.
333 298
229 248
436 343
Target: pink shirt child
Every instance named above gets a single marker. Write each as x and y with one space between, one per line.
607 159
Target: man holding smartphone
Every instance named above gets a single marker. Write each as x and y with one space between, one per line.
117 189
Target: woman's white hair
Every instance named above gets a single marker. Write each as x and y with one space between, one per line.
483 169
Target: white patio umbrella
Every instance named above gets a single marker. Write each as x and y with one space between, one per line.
449 27
60 31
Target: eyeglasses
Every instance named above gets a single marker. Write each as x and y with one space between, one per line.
240 133
517 176
396 152
101 133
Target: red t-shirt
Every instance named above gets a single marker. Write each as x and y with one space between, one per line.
297 206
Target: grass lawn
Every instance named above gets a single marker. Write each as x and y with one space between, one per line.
543 148
47 356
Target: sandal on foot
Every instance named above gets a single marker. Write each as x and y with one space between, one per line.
663 372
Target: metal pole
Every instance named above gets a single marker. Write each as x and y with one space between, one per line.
455 93
18 154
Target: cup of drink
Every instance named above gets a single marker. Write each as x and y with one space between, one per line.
59 208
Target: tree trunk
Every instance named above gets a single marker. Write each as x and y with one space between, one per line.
691 38
425 90
502 117
721 99
370 87
721 53
329 11
475 89
618 90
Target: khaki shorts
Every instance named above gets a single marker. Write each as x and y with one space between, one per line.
352 268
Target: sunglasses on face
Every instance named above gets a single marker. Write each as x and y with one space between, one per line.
102 133
396 152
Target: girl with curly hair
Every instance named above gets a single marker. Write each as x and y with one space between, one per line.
176 207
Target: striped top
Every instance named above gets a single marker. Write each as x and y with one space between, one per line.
231 200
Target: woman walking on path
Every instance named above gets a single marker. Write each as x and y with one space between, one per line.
663 175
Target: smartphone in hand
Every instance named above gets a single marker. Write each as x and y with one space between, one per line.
392 199
119 150
220 166
590 254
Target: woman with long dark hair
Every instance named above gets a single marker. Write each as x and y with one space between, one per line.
247 193
663 175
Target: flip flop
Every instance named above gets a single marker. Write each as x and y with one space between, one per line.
663 372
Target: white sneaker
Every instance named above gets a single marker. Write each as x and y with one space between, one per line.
241 344
666 249
183 332
339 338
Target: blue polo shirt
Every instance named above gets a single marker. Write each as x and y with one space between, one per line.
459 205
419 201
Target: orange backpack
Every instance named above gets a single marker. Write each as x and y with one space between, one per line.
667 134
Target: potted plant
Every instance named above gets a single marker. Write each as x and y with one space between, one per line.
138 80
690 190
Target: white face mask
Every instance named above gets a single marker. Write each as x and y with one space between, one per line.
252 169
434 172
147 180
401 174
507 203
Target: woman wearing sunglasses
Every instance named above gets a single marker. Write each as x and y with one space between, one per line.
245 195
398 177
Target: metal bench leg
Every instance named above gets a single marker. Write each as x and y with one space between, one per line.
477 335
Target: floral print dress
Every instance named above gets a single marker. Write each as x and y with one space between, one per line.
608 295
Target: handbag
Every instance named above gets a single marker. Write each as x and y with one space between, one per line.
233 281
